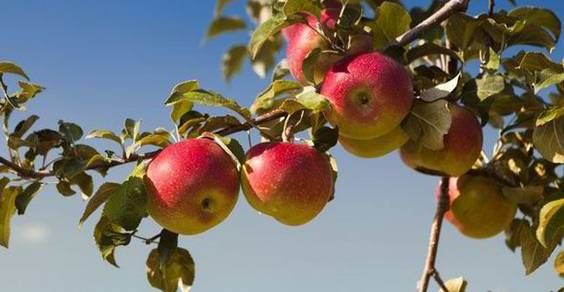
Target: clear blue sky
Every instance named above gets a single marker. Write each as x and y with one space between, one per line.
103 61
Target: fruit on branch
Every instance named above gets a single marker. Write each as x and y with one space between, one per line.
478 208
370 94
375 147
462 147
192 186
304 38
290 182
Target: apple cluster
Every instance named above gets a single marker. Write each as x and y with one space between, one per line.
194 184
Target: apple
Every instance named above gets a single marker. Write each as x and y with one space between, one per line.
192 186
478 208
462 147
290 182
303 38
370 94
375 147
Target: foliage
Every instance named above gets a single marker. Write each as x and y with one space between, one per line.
519 94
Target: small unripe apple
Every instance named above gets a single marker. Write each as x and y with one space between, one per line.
370 94
303 39
462 147
192 186
290 182
375 147
478 208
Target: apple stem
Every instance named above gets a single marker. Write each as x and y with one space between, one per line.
430 270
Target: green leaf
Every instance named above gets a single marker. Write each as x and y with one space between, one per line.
99 198
23 199
392 21
533 253
160 139
265 59
128 204
455 285
427 123
64 188
85 183
277 89
265 31
312 100
300 6
428 49
528 195
181 88
441 90
559 264
7 209
177 272
551 222
549 140
460 29
542 17
108 236
550 114
232 61
23 126
232 147
219 6
28 91
70 131
131 129
552 79
9 67
325 138
493 60
211 98
489 85
225 24
104 134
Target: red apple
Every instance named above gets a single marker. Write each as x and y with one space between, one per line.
370 95
290 182
462 147
478 208
375 147
192 186
303 39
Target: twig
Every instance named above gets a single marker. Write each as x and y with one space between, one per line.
30 173
451 7
442 208
491 5
440 281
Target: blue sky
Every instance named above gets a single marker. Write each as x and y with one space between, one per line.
104 61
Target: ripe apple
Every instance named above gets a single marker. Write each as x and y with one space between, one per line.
290 182
303 39
192 186
370 94
478 208
462 147
375 147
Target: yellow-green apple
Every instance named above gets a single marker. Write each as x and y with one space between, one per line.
303 38
290 182
192 186
370 94
478 208
462 147
375 147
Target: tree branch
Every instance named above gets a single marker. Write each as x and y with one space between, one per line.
451 7
30 173
442 208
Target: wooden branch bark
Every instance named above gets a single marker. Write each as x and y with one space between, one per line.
442 208
451 7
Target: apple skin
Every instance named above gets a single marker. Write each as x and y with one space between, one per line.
462 147
290 182
302 40
478 208
192 186
370 94
375 147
